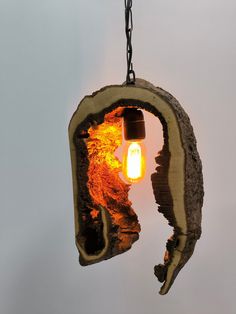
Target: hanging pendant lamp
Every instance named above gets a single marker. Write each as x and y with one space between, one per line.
105 223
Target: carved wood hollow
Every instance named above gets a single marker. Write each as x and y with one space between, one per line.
105 222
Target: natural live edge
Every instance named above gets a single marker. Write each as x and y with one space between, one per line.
183 169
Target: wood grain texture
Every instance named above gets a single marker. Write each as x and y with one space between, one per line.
177 182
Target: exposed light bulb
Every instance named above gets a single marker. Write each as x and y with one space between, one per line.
134 163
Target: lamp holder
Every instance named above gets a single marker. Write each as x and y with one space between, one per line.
134 125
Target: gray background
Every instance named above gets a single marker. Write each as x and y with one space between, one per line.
53 52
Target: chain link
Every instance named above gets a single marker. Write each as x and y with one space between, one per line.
130 77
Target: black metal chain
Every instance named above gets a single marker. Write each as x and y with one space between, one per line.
130 77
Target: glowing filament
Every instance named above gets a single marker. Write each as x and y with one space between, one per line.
134 162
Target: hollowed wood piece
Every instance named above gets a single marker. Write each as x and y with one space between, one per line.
105 223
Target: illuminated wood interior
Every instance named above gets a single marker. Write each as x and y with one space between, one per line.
105 223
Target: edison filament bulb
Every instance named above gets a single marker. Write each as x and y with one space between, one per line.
134 159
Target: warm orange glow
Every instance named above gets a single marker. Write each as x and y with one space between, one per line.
104 183
134 161
105 186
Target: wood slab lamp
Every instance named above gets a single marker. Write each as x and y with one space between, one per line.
105 223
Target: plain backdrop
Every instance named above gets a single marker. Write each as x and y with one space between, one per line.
52 54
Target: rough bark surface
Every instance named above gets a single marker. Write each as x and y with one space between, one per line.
105 231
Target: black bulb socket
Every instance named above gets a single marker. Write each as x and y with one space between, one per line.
134 125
